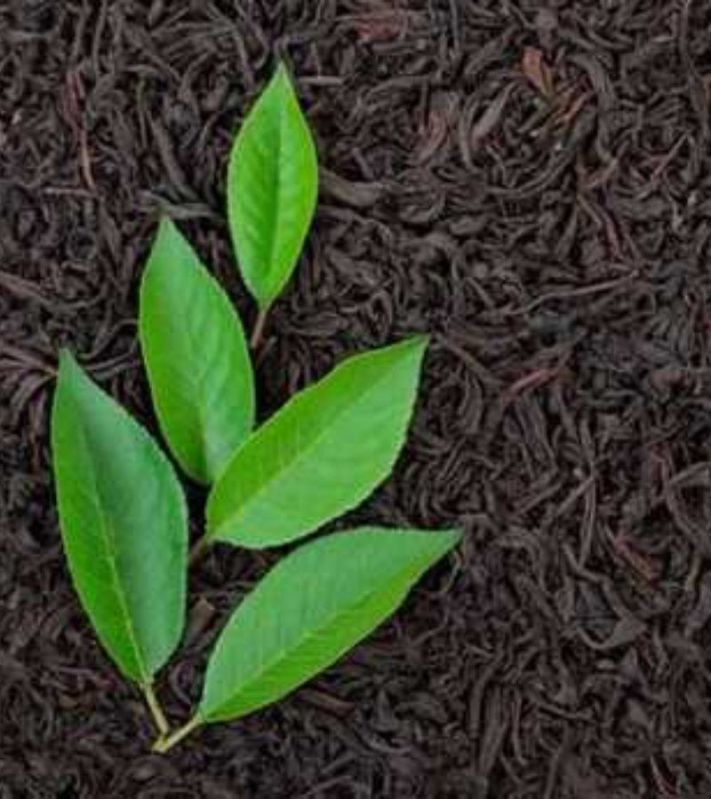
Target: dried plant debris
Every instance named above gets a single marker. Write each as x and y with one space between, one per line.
561 263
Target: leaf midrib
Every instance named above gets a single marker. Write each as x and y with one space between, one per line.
199 383
197 379
108 538
275 214
332 621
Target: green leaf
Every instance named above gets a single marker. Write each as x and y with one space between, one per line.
123 521
196 357
312 607
321 454
272 186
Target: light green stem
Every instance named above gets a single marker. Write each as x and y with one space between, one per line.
156 711
164 743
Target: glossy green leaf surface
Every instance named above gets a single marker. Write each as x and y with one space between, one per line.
196 357
123 521
272 187
312 607
322 453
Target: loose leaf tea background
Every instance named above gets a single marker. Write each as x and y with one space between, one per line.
560 264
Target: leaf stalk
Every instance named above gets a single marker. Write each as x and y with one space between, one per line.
166 742
159 718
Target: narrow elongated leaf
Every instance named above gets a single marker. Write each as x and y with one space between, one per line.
272 185
196 357
123 521
321 454
312 607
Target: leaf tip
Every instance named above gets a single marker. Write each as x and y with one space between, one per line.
282 72
414 346
452 537
67 363
420 341
166 227
162 232
65 356
284 83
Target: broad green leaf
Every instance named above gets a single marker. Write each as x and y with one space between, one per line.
272 186
196 357
321 454
312 607
123 521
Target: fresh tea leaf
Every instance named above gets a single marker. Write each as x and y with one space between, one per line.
321 454
123 521
310 609
272 185
196 357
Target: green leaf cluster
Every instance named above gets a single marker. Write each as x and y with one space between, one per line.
121 507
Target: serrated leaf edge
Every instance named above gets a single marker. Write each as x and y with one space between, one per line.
145 676
214 534
204 274
280 78
417 567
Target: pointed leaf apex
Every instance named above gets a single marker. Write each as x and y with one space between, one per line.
419 341
165 223
282 71
68 363
454 536
416 345
65 355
